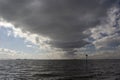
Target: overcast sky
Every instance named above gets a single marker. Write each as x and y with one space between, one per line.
59 29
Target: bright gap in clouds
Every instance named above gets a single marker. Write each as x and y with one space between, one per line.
16 44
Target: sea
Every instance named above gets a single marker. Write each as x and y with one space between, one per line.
100 69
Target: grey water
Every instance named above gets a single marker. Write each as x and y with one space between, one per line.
60 69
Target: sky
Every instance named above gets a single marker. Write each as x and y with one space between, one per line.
59 29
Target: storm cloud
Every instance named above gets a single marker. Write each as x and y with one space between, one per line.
64 21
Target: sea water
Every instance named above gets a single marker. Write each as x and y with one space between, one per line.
60 69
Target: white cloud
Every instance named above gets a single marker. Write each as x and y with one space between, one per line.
38 40
35 39
29 46
105 37
108 31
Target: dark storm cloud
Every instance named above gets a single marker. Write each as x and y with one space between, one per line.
68 45
62 20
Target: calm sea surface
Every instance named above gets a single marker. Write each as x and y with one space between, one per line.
59 70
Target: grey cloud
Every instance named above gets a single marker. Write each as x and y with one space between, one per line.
108 42
66 45
62 20
108 54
